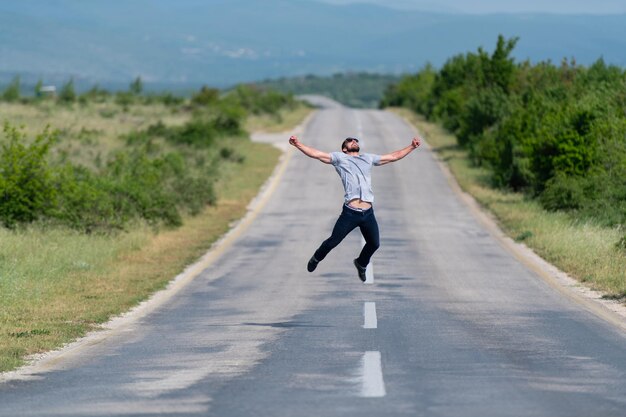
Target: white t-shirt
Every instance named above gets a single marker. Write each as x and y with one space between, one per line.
355 173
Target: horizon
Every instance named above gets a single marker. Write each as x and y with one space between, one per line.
569 7
224 42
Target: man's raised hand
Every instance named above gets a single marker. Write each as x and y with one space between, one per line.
417 141
293 140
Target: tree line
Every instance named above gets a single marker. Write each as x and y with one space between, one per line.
554 132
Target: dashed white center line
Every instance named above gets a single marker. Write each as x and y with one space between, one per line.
372 383
369 316
372 375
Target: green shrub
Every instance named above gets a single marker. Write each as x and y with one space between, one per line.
142 183
68 92
563 192
196 132
413 91
257 100
554 132
12 92
26 187
483 110
132 187
139 188
206 96
227 118
605 198
448 107
85 202
201 131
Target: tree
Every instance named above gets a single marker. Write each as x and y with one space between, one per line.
38 88
136 87
499 70
12 92
68 93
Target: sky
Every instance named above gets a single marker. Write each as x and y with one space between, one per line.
503 6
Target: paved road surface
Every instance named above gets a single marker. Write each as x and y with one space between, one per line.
450 324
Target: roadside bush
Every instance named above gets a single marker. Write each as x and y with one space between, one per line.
132 187
227 118
553 132
201 131
448 107
197 132
139 188
148 181
563 193
26 188
412 91
84 201
483 110
605 199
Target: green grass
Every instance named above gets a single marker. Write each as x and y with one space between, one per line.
584 250
57 284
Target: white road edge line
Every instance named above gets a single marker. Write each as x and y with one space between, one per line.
373 385
370 321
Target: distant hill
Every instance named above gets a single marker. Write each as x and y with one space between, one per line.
221 42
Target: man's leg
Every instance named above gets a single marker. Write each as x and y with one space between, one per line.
369 230
346 223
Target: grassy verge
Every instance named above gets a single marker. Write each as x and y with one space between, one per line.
57 284
585 251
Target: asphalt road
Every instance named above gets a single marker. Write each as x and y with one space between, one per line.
449 323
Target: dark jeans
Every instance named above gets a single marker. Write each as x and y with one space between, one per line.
347 222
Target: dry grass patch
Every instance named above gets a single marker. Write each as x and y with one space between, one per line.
285 120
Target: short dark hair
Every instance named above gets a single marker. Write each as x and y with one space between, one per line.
346 140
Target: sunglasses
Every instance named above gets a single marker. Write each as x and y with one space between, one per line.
352 140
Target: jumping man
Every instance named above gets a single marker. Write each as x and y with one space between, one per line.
355 172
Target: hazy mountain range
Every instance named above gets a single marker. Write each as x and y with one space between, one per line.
221 42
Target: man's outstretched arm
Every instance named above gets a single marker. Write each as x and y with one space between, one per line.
309 151
397 155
